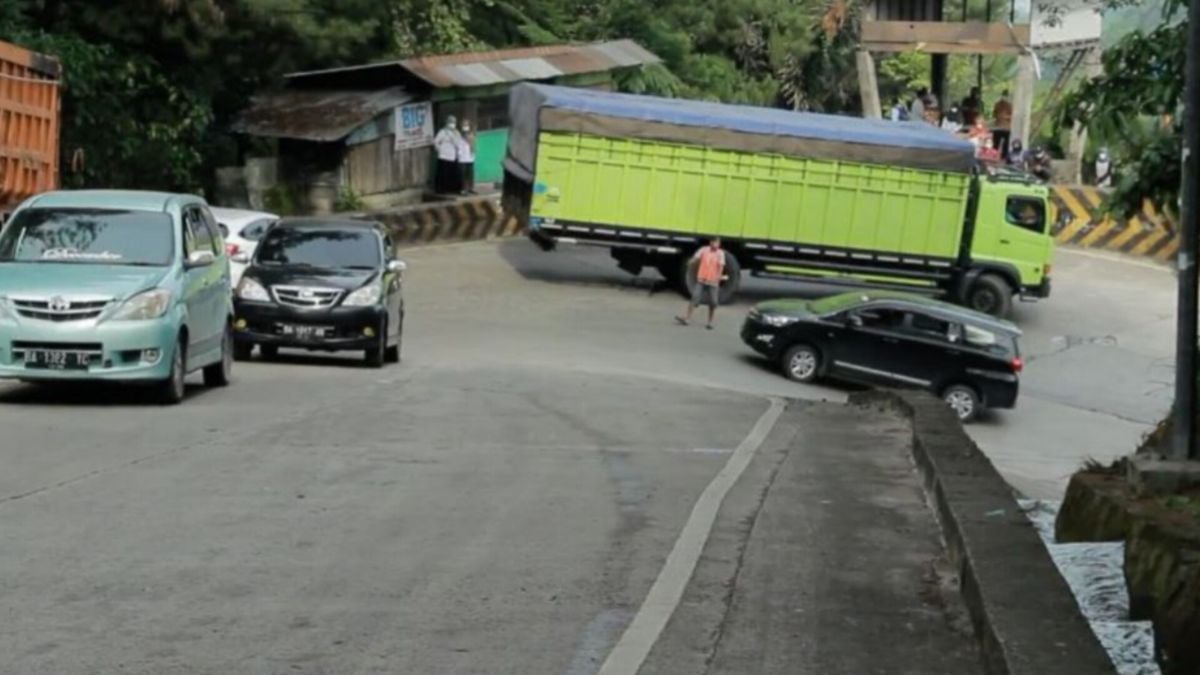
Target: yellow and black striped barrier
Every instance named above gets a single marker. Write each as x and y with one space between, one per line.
459 220
1080 222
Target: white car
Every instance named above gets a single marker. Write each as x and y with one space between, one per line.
241 230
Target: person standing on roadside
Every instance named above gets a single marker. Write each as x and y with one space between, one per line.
972 107
918 105
466 157
709 263
1002 114
448 179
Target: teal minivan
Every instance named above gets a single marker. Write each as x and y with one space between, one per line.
115 285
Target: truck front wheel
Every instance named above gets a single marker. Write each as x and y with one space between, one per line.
990 294
730 281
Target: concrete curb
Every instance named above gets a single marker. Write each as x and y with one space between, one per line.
468 219
1025 617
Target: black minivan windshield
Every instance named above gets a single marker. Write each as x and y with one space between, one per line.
88 236
332 248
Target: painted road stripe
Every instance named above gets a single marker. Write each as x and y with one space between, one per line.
1091 204
1150 242
1164 248
635 644
1078 219
1118 243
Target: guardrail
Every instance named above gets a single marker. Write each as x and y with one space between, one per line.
1149 234
465 219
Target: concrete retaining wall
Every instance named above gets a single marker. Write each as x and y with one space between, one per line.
1024 614
1149 234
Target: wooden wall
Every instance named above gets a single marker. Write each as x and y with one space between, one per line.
376 167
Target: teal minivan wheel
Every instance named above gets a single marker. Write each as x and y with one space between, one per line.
172 389
220 373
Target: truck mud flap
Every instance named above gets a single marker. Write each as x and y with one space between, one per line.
544 242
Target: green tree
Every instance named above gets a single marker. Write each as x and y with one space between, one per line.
1137 104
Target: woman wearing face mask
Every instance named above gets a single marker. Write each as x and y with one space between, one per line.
448 178
466 157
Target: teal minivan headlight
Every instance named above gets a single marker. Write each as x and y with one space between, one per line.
148 305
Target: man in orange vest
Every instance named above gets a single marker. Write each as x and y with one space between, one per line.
709 263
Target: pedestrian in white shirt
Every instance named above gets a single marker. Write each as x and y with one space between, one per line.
448 179
466 157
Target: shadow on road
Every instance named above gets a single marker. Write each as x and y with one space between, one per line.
769 367
300 357
90 394
588 266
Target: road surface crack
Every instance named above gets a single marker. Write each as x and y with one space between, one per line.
750 522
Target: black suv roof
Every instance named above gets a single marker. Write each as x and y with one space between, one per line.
943 310
331 222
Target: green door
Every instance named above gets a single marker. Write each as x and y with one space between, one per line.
490 147
1011 227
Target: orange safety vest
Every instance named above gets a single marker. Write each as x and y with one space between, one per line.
712 263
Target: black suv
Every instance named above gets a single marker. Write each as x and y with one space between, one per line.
321 284
893 339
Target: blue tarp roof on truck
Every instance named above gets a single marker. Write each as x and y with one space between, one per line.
725 125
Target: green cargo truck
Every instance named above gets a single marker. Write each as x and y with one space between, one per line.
822 198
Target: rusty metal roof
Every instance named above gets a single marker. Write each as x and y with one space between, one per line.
478 69
315 115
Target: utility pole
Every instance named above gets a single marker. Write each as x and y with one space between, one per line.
1184 440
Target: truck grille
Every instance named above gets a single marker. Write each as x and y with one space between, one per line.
60 309
306 297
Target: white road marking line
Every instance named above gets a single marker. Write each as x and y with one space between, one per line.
635 644
1114 257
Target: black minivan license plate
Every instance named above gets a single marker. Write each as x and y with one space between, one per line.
56 359
303 332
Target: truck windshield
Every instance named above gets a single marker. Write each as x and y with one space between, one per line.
336 249
88 236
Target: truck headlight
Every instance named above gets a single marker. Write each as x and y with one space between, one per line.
363 297
143 306
249 289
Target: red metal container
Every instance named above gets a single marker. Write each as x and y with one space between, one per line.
29 124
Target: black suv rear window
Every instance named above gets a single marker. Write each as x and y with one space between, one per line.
1000 344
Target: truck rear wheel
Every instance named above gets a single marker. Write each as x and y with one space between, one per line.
990 294
729 283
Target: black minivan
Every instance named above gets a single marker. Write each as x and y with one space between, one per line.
322 284
895 339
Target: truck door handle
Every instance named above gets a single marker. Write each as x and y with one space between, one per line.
1005 241
891 341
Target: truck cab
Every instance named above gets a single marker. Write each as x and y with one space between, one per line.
1010 247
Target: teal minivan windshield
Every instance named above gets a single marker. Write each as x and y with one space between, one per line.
88 236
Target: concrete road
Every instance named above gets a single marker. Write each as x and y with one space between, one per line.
501 502
1098 352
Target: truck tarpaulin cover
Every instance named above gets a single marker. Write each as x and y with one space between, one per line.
534 108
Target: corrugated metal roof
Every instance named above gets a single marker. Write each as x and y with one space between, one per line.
316 115
477 69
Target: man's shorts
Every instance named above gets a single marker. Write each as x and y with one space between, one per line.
703 294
